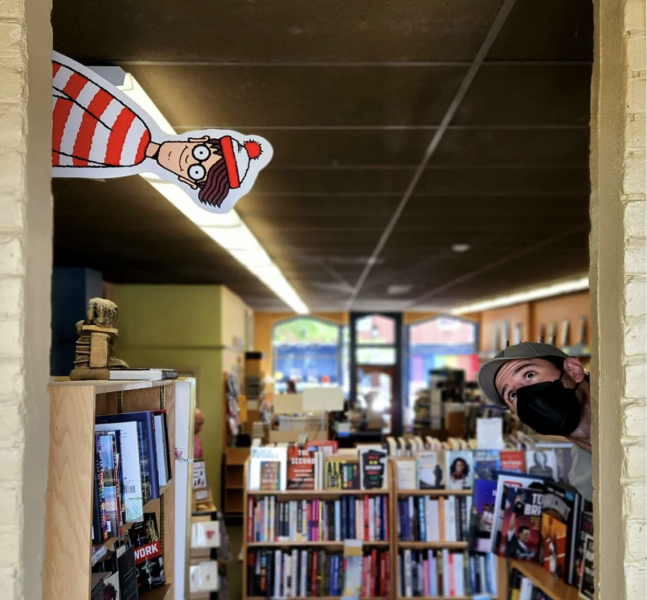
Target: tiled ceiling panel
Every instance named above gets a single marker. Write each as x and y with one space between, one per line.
351 94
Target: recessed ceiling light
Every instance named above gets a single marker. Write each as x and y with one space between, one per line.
460 248
395 290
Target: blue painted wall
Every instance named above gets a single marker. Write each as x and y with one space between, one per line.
72 287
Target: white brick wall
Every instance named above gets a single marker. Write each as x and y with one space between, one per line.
618 246
25 273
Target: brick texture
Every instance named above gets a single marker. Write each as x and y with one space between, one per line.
25 233
618 245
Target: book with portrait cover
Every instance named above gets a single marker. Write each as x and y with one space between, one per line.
486 462
459 469
482 515
264 454
521 533
149 560
543 462
301 468
270 475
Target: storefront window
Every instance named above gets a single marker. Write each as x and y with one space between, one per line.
308 351
437 343
375 330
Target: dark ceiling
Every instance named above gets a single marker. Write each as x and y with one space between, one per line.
354 96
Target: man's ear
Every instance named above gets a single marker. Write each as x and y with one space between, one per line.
190 183
574 368
202 139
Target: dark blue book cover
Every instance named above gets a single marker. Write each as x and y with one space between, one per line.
407 520
352 516
145 422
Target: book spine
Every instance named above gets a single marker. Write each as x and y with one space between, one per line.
422 512
441 519
250 519
338 527
365 524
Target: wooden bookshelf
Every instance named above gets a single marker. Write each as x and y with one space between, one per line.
68 544
434 493
547 583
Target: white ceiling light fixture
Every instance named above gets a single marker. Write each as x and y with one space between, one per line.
460 248
547 291
228 230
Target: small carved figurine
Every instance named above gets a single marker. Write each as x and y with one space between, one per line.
94 349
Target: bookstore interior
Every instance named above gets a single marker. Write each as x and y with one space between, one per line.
369 379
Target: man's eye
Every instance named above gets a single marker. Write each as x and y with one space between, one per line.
512 396
530 375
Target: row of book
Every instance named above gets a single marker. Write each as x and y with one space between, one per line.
531 518
313 466
313 573
132 567
131 465
458 469
349 517
426 519
446 573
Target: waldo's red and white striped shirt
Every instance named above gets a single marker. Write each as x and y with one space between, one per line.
91 128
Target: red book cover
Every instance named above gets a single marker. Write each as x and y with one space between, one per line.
452 575
382 574
386 518
301 468
367 520
387 591
315 571
365 567
513 461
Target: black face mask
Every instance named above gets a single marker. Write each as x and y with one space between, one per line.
549 407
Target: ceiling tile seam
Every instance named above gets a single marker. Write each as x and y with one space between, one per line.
484 269
488 42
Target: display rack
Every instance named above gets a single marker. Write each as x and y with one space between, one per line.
305 495
68 544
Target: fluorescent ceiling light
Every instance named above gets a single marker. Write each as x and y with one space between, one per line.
547 291
228 230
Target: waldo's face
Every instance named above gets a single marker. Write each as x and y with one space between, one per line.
189 160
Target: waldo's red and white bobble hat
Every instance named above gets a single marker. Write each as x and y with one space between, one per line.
237 157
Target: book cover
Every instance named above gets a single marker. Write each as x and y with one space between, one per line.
587 584
509 479
486 463
406 470
482 515
430 470
564 460
108 481
512 461
460 469
96 586
270 475
373 468
586 528
111 588
542 462
127 573
149 560
260 454
521 534
130 461
560 520
161 448
301 468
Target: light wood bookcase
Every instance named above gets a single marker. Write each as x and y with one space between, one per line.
68 544
557 590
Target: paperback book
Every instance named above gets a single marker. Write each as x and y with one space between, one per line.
430 470
460 469
342 475
482 515
149 560
521 523
542 462
372 468
486 463
262 455
512 461
301 468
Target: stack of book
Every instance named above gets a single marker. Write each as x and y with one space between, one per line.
427 519
349 517
131 466
445 573
313 573
531 518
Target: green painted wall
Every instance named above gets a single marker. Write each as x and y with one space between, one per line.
182 327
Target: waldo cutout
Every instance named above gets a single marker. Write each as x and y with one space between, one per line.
98 132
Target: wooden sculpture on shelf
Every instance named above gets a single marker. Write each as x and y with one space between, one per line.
93 357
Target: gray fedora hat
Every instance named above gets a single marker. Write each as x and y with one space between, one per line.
488 372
